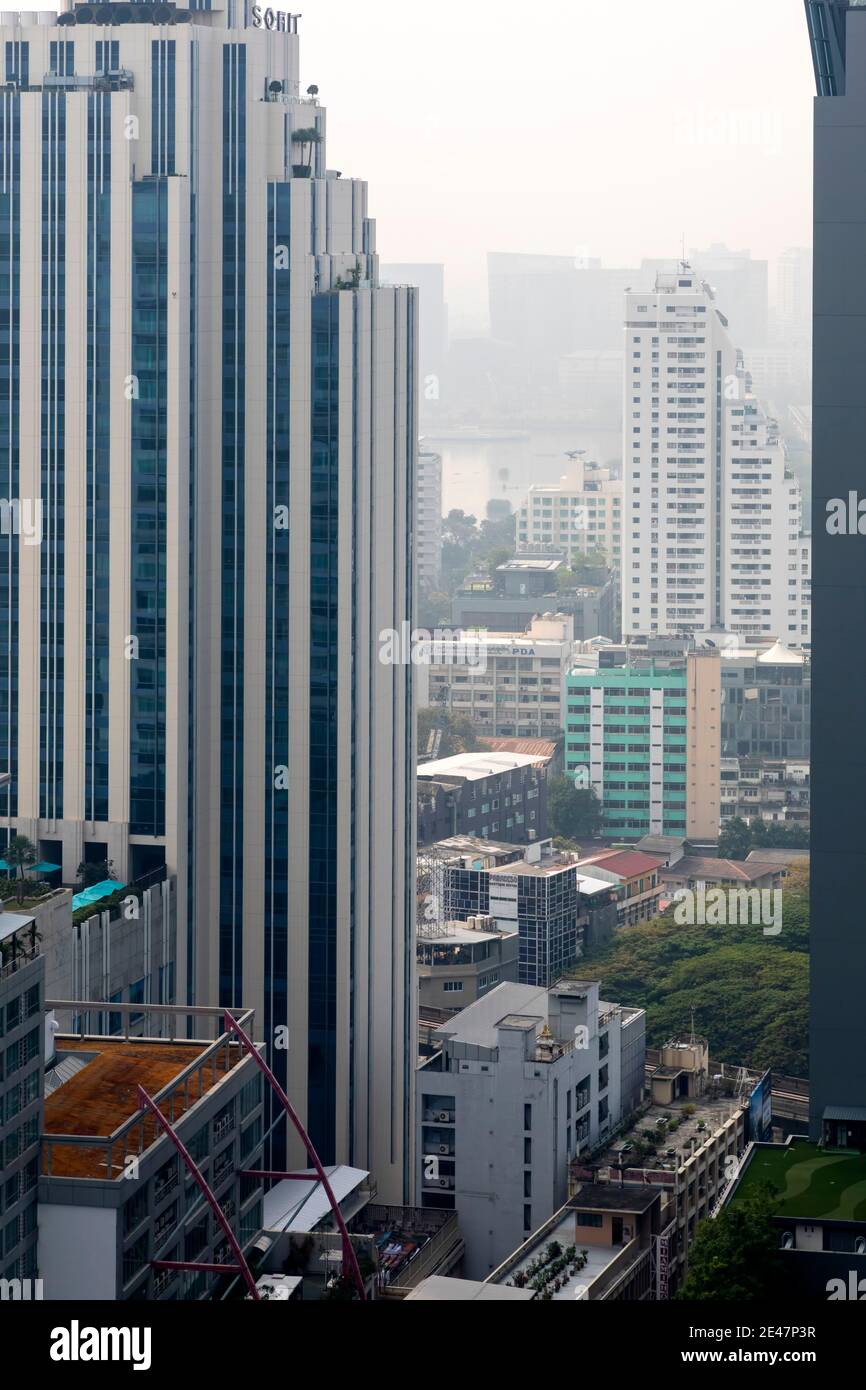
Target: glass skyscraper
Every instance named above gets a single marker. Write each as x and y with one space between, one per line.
213 399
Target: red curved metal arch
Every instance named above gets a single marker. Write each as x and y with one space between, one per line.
242 1266
350 1259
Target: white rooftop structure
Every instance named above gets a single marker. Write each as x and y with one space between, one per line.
474 767
588 886
509 1005
11 922
437 1288
300 1204
780 655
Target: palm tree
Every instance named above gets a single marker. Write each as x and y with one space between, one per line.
307 138
20 853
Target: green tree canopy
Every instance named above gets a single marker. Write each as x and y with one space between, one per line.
572 812
20 854
736 1256
458 732
749 991
735 841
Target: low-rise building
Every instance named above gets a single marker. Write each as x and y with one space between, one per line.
686 1142
529 584
525 1080
638 880
117 1204
397 1247
692 872
580 515
536 892
458 962
766 789
502 796
601 1246
508 684
820 1221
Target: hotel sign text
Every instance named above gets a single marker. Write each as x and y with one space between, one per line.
280 20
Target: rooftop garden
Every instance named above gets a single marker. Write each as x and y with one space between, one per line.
810 1181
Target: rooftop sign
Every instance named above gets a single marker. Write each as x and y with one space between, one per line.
279 20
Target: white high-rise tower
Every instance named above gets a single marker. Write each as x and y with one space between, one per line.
711 515
203 382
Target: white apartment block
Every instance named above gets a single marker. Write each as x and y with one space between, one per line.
765 569
526 1080
428 519
511 685
582 513
711 536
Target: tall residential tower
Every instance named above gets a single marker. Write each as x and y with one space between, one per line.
214 400
711 513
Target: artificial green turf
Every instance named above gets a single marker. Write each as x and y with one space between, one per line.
811 1181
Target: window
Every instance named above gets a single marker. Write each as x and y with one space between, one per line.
527 1218
589 1218
453 987
527 1151
527 1117
134 1211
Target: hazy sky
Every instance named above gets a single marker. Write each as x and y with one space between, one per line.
617 127
608 128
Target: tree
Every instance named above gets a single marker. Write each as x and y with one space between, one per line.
735 841
20 854
89 874
572 812
749 992
772 835
500 555
735 1255
458 732
307 138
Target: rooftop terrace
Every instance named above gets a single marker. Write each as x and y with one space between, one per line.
99 1101
829 1184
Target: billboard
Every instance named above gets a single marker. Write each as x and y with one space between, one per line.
761 1110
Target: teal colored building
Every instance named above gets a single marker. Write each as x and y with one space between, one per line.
625 736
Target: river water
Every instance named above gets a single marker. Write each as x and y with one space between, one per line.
474 471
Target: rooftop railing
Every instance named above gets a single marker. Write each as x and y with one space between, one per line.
138 1133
